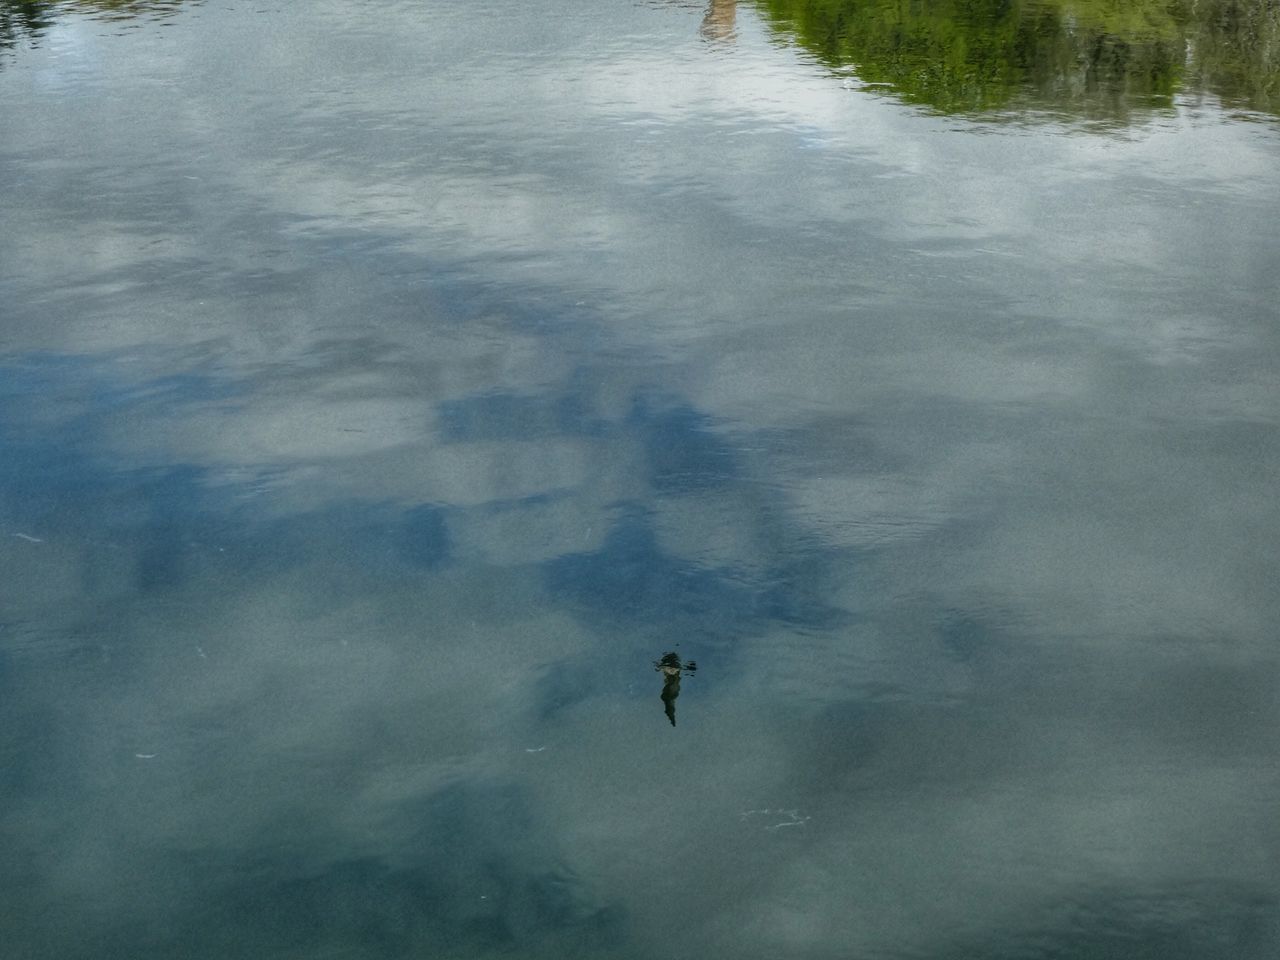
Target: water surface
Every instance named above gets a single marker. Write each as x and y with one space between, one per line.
386 389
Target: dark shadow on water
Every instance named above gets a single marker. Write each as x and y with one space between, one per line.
466 870
474 872
346 544
631 580
508 416
684 454
1177 921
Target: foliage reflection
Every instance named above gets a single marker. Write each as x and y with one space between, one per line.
25 20
1087 58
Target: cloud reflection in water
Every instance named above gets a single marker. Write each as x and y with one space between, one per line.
370 441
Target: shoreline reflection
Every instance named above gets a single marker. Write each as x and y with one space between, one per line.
721 21
1046 58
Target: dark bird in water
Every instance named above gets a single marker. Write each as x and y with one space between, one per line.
672 667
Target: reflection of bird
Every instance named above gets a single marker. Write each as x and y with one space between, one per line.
718 24
671 667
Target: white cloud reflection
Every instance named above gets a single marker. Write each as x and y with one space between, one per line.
980 420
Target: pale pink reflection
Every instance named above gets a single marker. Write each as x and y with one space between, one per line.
720 21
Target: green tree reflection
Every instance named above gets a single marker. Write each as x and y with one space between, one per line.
19 19
25 20
1096 59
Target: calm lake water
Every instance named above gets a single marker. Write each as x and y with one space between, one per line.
385 388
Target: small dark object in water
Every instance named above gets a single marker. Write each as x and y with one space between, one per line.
671 667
